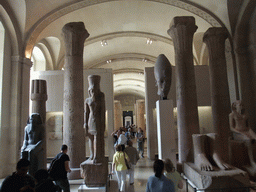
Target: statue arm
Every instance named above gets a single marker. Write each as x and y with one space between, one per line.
86 116
103 111
25 142
232 122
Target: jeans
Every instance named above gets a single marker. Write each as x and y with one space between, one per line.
63 184
140 147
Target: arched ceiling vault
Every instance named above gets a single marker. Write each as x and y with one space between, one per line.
126 36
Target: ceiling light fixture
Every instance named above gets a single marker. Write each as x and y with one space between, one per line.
144 60
149 41
104 43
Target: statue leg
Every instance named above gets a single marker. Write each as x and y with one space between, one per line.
95 149
215 151
91 146
99 148
200 159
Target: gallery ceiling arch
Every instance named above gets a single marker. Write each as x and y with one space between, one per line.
126 36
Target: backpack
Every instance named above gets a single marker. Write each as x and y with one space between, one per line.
55 168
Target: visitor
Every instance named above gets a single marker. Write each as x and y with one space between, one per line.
120 167
134 157
19 181
159 182
122 140
140 142
172 174
62 180
44 184
129 134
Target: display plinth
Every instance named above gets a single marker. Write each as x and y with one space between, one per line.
84 188
217 179
95 175
166 130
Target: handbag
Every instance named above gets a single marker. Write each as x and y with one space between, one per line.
126 162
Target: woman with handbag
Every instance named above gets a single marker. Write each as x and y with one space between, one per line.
120 159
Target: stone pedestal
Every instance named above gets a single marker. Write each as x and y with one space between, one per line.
73 105
84 188
165 130
182 30
215 38
217 179
95 175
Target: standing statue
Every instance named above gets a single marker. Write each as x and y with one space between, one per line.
94 119
239 125
163 76
32 148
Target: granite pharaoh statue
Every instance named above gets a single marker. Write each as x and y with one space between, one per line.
32 148
206 150
163 76
94 119
239 125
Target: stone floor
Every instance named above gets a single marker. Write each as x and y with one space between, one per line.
143 170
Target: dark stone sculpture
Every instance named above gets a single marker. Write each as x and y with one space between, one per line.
163 76
32 148
95 119
95 169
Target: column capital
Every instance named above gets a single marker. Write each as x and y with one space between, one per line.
74 35
21 60
216 33
187 21
39 90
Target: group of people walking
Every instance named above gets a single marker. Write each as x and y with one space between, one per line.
121 136
124 161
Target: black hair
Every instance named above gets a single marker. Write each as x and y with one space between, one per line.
22 163
64 147
41 174
118 148
158 167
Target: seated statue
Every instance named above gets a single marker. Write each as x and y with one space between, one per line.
241 130
32 148
206 152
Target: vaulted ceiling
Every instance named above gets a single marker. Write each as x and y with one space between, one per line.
125 35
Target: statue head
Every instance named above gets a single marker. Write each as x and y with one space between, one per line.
163 76
238 107
94 85
34 118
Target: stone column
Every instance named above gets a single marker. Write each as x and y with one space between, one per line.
140 114
215 38
181 31
14 123
118 114
74 35
39 98
150 107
